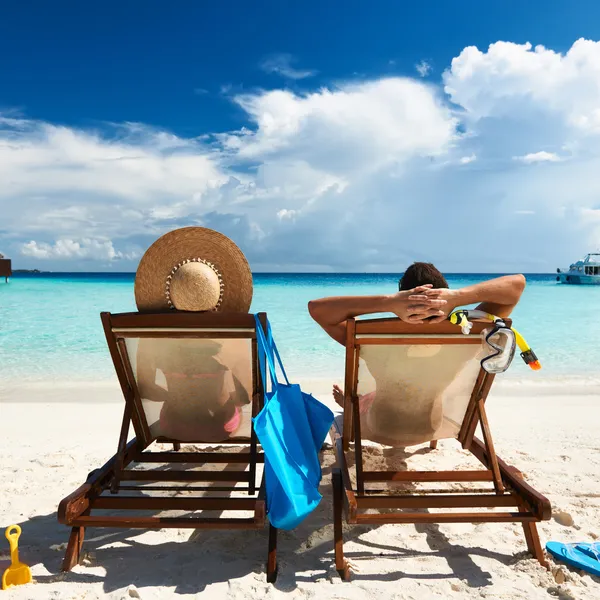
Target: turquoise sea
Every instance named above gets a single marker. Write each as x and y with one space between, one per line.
50 326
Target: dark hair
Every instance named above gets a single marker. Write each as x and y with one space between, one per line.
420 273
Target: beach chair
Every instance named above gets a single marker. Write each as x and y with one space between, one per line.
179 374
434 372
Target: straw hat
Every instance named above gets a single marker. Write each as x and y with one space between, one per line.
193 269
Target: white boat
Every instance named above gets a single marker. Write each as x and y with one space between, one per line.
583 272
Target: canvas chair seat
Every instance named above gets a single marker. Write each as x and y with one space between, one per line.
422 391
186 378
406 385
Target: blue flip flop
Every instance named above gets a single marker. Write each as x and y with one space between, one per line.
579 555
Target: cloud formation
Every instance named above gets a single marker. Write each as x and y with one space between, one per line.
423 68
517 76
367 175
282 64
93 249
536 157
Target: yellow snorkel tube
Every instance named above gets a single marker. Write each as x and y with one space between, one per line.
461 318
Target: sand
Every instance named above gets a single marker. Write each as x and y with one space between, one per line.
53 435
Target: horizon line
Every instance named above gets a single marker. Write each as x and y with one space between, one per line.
40 272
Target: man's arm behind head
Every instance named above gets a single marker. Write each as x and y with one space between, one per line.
497 296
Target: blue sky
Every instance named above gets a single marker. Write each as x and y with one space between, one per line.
320 136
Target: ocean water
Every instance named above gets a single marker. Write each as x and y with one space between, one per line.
50 326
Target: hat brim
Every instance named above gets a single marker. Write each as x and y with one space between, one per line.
190 243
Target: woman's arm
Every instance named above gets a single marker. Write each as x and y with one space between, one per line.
146 374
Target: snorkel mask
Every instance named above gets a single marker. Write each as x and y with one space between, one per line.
501 338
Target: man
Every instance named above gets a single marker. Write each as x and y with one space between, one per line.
423 297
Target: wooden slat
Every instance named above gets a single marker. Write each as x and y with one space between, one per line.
474 517
336 440
395 325
156 475
489 446
358 458
427 476
121 502
120 456
76 503
437 501
261 506
182 334
224 330
173 318
126 388
134 391
354 390
236 441
259 388
470 412
272 555
197 457
482 395
399 493
349 382
166 522
182 488
419 341
338 538
537 502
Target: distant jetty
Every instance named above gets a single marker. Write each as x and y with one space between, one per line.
5 267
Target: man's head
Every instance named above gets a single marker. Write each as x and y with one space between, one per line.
421 273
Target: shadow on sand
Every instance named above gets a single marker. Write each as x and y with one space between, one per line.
206 557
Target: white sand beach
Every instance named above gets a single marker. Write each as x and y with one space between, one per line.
52 436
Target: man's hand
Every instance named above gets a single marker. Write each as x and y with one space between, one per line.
497 296
420 303
450 299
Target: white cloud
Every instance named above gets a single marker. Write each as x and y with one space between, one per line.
139 164
355 128
366 175
93 249
512 75
286 214
282 64
537 157
67 183
423 68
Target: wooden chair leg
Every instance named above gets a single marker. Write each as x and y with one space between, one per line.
531 533
73 553
433 444
341 564
532 537
533 543
272 556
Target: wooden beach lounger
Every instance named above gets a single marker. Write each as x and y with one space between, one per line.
174 369
434 371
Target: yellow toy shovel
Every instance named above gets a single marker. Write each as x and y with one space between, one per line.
18 573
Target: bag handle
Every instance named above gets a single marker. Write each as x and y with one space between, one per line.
265 351
273 346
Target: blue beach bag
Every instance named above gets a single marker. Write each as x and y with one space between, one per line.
291 429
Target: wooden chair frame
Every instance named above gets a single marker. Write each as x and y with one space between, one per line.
108 487
509 488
